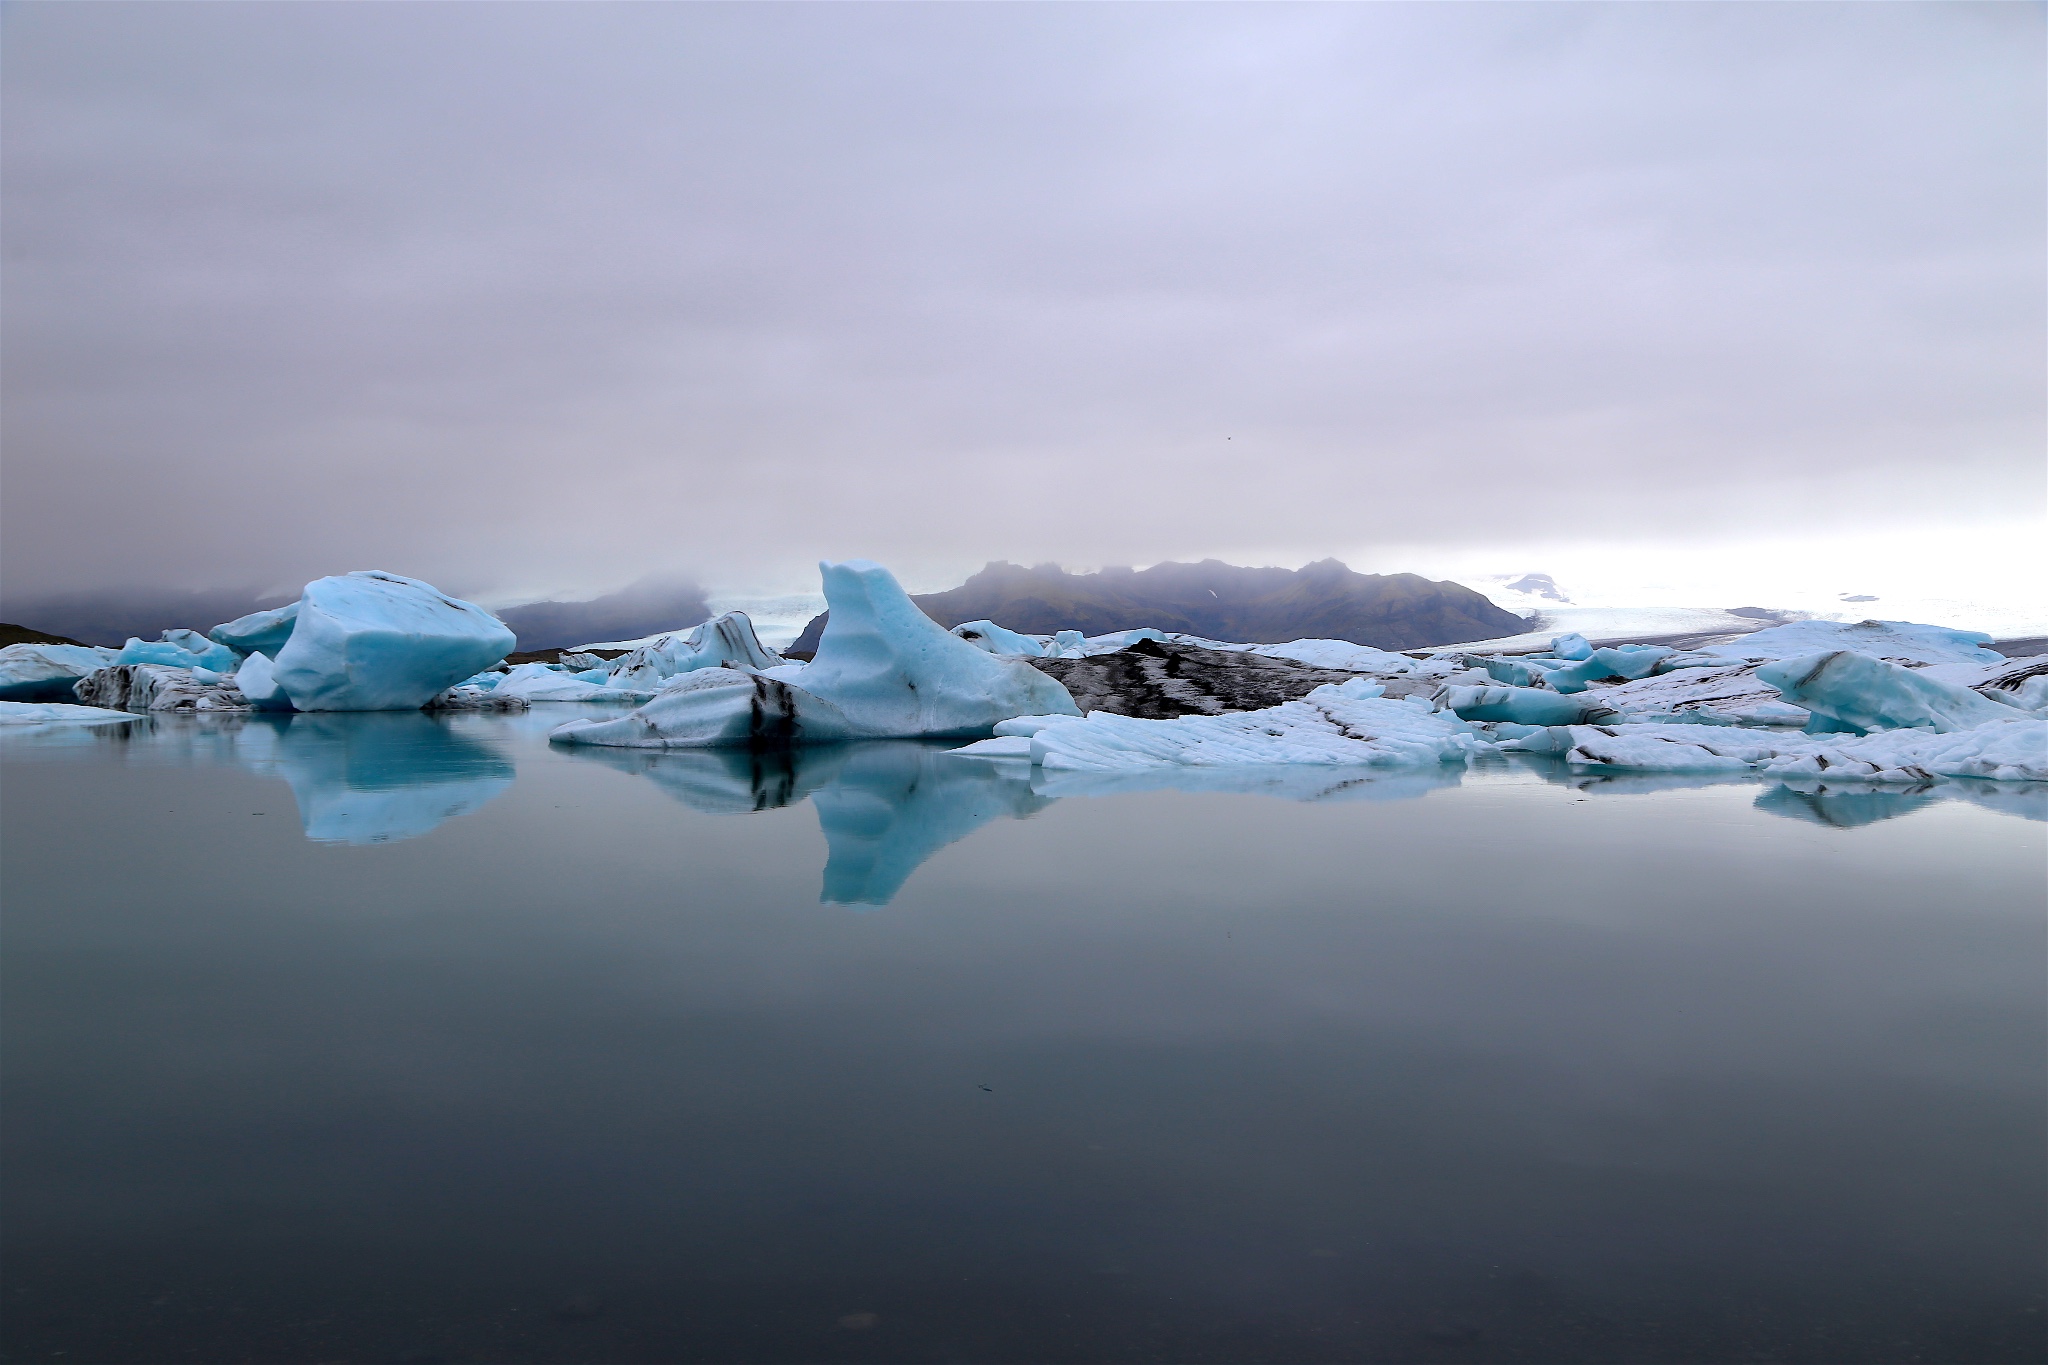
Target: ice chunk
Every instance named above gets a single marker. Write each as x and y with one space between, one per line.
1870 694
210 654
893 671
1336 723
1571 646
1879 639
1525 706
538 682
1068 644
32 672
714 706
260 632
370 641
1027 726
2013 750
155 687
58 713
257 683
1002 746
996 640
723 642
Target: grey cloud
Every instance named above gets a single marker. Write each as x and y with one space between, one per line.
534 299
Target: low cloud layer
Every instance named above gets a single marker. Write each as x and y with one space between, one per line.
535 300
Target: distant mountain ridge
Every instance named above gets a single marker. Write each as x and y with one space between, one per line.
1324 600
639 609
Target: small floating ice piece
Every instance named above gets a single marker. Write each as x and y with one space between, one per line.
1525 706
58 713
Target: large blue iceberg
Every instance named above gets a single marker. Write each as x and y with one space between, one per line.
1859 692
372 641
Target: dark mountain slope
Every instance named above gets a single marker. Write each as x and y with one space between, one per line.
641 609
1324 600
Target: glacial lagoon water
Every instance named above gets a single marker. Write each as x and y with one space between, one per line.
394 1038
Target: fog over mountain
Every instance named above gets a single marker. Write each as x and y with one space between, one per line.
1320 601
533 301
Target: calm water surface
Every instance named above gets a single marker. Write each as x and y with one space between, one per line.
386 1038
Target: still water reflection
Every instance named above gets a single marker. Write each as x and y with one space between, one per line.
1292 1065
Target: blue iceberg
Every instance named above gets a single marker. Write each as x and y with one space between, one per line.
372 641
1859 693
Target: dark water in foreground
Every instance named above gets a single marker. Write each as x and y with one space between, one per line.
388 1039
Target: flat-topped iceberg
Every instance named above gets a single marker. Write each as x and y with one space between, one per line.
1337 723
58 713
538 682
36 672
2014 750
371 641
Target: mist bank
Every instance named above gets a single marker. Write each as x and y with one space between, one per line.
1324 600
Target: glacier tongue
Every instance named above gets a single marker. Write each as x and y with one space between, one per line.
370 641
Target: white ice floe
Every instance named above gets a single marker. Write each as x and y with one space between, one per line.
1338 723
58 713
35 672
538 682
370 641
709 707
2014 750
1728 694
1897 640
1856 690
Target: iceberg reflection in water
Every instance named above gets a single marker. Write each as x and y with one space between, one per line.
883 806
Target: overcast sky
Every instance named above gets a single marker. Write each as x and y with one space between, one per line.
539 298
